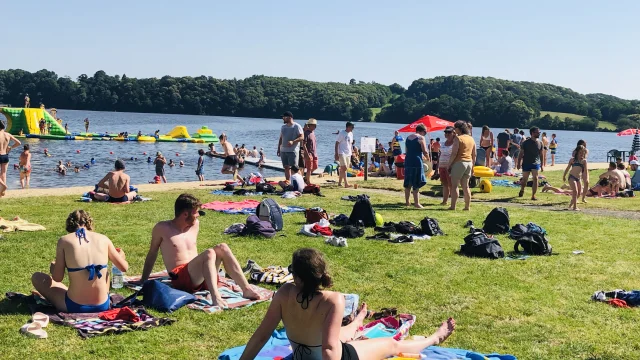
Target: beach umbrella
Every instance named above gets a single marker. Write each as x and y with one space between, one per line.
629 132
635 146
432 123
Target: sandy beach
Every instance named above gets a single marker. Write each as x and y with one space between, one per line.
190 185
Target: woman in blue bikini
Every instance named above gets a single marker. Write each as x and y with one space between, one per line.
313 319
85 255
577 168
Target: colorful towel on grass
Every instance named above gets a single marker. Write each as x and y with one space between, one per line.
503 182
231 205
229 291
231 193
88 324
252 210
278 347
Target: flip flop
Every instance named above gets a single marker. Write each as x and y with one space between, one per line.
41 318
34 330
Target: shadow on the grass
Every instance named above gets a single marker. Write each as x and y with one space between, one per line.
8 307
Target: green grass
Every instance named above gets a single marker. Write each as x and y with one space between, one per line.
535 309
375 112
562 115
606 125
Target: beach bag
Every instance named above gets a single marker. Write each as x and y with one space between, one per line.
478 244
160 296
269 210
407 228
265 188
255 226
311 189
349 232
533 244
315 214
430 227
497 222
363 211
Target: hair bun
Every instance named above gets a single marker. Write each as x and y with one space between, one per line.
326 281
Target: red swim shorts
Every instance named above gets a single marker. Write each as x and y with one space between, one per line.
181 280
311 163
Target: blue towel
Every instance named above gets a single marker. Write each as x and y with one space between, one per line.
503 182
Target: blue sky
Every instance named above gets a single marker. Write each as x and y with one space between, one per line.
589 46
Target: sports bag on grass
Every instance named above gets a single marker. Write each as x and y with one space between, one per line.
497 222
160 296
430 226
531 238
363 211
313 215
269 210
478 244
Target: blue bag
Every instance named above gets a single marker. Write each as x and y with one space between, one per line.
160 296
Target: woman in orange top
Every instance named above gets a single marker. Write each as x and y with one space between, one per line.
461 167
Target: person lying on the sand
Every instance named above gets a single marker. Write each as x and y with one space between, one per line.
189 270
118 184
85 255
313 319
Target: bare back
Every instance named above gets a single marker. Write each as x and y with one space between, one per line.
25 158
79 253
178 247
305 326
228 149
118 184
5 140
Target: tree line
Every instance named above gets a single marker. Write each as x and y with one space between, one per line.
256 96
481 100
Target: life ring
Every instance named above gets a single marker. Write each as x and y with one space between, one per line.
485 186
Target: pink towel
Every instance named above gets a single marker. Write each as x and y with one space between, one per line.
230 205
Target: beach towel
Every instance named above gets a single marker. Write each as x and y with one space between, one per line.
503 182
278 347
231 205
18 224
228 289
89 324
252 210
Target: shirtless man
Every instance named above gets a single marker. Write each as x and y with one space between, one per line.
25 167
5 147
118 184
190 272
230 165
612 173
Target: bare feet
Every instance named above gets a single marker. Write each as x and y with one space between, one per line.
444 331
534 198
407 204
521 193
545 188
249 293
443 203
465 209
584 201
346 186
418 206
361 315
451 208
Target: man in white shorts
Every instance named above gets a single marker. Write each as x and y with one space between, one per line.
343 152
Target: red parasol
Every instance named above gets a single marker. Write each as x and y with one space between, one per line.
629 132
432 123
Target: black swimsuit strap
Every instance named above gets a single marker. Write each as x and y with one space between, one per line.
302 350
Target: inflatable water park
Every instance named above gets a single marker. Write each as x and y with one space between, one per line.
24 122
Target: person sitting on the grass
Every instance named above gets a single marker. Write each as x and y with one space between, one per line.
189 271
613 174
313 319
85 255
118 184
635 179
627 176
505 163
296 183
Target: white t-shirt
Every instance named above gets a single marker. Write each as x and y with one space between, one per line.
345 141
297 182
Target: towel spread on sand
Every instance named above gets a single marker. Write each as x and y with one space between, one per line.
89 324
18 224
228 289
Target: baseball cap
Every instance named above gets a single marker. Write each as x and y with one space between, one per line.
287 113
634 162
349 123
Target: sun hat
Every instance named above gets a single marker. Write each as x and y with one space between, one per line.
634 162
312 121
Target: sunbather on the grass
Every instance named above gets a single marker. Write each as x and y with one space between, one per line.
602 188
313 319
118 184
189 270
84 254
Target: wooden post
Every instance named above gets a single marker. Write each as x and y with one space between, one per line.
366 166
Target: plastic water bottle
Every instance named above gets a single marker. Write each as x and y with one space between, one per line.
221 274
117 279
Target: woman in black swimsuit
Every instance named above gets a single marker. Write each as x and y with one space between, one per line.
313 319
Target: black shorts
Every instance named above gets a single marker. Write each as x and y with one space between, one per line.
118 200
160 171
435 156
349 352
4 159
231 160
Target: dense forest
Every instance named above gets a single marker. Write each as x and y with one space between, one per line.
481 100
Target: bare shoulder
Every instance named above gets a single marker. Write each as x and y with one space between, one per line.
161 226
334 298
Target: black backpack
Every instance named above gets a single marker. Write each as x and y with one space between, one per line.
363 211
265 188
478 244
349 232
269 210
497 222
533 242
430 227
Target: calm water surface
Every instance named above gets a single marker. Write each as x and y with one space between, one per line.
251 132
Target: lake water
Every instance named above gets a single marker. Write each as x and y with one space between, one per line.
251 132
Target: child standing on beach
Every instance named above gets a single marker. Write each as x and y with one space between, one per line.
200 167
576 168
25 167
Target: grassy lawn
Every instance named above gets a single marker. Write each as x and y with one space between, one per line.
606 125
535 309
510 194
561 115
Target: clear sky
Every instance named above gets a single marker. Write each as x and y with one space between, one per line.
589 46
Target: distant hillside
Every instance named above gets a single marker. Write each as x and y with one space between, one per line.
502 103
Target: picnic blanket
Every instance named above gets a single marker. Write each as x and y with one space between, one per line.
229 291
89 324
278 347
231 205
18 224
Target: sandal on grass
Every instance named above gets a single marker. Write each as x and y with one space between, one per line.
34 330
40 318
